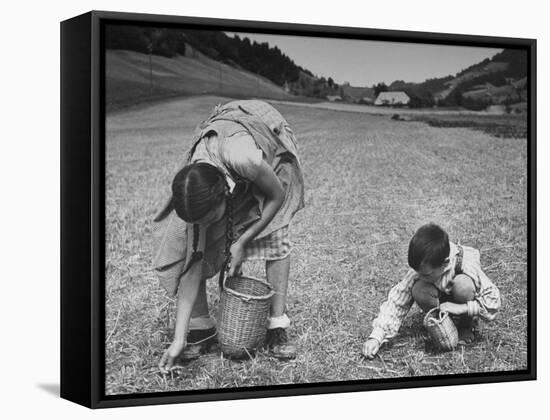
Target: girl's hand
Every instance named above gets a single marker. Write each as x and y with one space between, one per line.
237 256
454 308
170 355
371 347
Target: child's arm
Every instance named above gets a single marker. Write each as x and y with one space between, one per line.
268 183
187 294
487 298
392 311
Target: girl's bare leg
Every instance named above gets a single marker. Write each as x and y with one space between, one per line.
200 316
276 337
201 327
200 308
277 275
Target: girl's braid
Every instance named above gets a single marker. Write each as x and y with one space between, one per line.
228 234
229 223
196 255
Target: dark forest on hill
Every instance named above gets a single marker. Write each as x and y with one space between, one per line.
259 58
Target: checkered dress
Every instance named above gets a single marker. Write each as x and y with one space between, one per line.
274 246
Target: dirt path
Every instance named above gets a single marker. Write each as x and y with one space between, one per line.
378 110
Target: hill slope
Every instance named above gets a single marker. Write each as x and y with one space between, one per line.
131 78
501 79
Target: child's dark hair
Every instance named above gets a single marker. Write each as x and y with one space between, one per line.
429 245
197 189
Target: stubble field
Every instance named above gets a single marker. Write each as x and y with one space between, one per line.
370 182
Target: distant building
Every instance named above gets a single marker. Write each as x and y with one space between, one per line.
392 98
334 98
356 94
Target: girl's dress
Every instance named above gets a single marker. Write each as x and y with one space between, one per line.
236 138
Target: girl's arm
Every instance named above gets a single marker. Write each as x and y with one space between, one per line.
271 187
274 194
187 294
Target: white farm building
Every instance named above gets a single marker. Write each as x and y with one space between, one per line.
392 98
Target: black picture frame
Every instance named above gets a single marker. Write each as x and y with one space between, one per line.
83 209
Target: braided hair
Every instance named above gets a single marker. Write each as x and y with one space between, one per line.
229 235
196 190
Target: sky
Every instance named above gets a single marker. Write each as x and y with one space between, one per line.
364 63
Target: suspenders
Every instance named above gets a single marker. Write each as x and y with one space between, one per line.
458 265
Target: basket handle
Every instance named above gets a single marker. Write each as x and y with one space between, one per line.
248 298
442 314
223 278
433 320
223 269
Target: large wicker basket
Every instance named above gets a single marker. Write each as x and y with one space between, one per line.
244 308
441 329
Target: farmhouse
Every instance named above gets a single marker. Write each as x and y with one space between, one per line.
392 98
357 94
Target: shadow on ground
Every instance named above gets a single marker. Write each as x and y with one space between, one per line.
52 389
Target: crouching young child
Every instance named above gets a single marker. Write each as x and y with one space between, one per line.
442 274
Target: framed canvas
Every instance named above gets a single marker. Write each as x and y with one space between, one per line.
257 209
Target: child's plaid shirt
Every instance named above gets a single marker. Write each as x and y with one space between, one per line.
400 299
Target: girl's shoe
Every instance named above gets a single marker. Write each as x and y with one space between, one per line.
276 341
200 342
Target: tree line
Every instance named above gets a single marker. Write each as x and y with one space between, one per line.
259 58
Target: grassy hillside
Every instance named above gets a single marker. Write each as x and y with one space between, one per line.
128 79
498 80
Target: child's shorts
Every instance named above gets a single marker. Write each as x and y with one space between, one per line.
275 246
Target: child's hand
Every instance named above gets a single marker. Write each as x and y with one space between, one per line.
454 308
169 357
237 256
371 347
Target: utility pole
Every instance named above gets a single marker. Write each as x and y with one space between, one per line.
152 35
220 74
150 67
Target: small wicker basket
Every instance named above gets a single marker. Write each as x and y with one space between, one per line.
244 308
441 329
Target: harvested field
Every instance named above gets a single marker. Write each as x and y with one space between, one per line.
370 182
